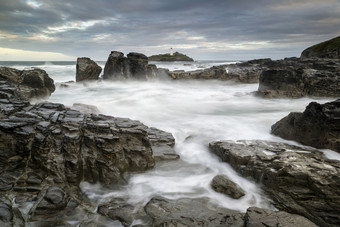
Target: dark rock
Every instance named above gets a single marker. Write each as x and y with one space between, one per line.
190 212
46 150
300 77
318 126
256 217
119 210
87 69
6 214
134 66
115 66
162 144
298 180
223 184
327 49
138 65
28 84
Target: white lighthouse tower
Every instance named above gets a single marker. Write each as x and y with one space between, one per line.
171 51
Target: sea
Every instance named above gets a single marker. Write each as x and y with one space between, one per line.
196 113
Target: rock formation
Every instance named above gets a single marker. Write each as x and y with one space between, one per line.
245 72
134 66
168 57
318 126
223 184
298 180
87 69
46 150
300 77
34 83
327 49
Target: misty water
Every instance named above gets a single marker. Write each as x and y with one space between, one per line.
196 113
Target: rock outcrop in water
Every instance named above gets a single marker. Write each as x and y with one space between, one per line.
245 72
34 83
299 181
168 57
46 150
134 66
293 78
223 184
327 49
87 69
318 126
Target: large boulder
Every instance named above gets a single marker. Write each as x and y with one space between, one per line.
223 184
34 83
137 65
327 49
298 180
115 66
87 69
134 66
318 126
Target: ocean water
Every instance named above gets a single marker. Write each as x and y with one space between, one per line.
195 112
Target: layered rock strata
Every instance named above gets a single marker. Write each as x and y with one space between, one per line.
46 150
298 180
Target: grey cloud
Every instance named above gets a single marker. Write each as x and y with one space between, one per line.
144 25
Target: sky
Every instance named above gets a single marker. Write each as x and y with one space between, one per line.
203 29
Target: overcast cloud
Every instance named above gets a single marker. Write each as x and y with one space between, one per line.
214 29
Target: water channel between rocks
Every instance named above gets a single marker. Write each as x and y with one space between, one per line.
196 113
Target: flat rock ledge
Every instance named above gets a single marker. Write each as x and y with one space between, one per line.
46 150
188 212
298 180
318 126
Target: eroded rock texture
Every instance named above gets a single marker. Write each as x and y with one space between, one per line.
300 181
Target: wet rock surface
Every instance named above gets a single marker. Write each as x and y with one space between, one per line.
190 212
28 84
87 69
134 66
256 217
298 180
223 184
318 126
46 150
294 77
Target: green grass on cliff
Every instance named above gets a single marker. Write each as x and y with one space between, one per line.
330 44
167 56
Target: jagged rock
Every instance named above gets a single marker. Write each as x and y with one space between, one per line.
295 77
257 217
327 49
299 181
118 209
34 83
223 184
137 65
162 144
87 69
318 126
190 212
46 150
134 66
115 66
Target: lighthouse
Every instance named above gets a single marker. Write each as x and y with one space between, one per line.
171 51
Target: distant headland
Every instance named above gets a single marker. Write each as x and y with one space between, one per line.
170 57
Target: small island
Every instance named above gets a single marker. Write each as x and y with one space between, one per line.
170 57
